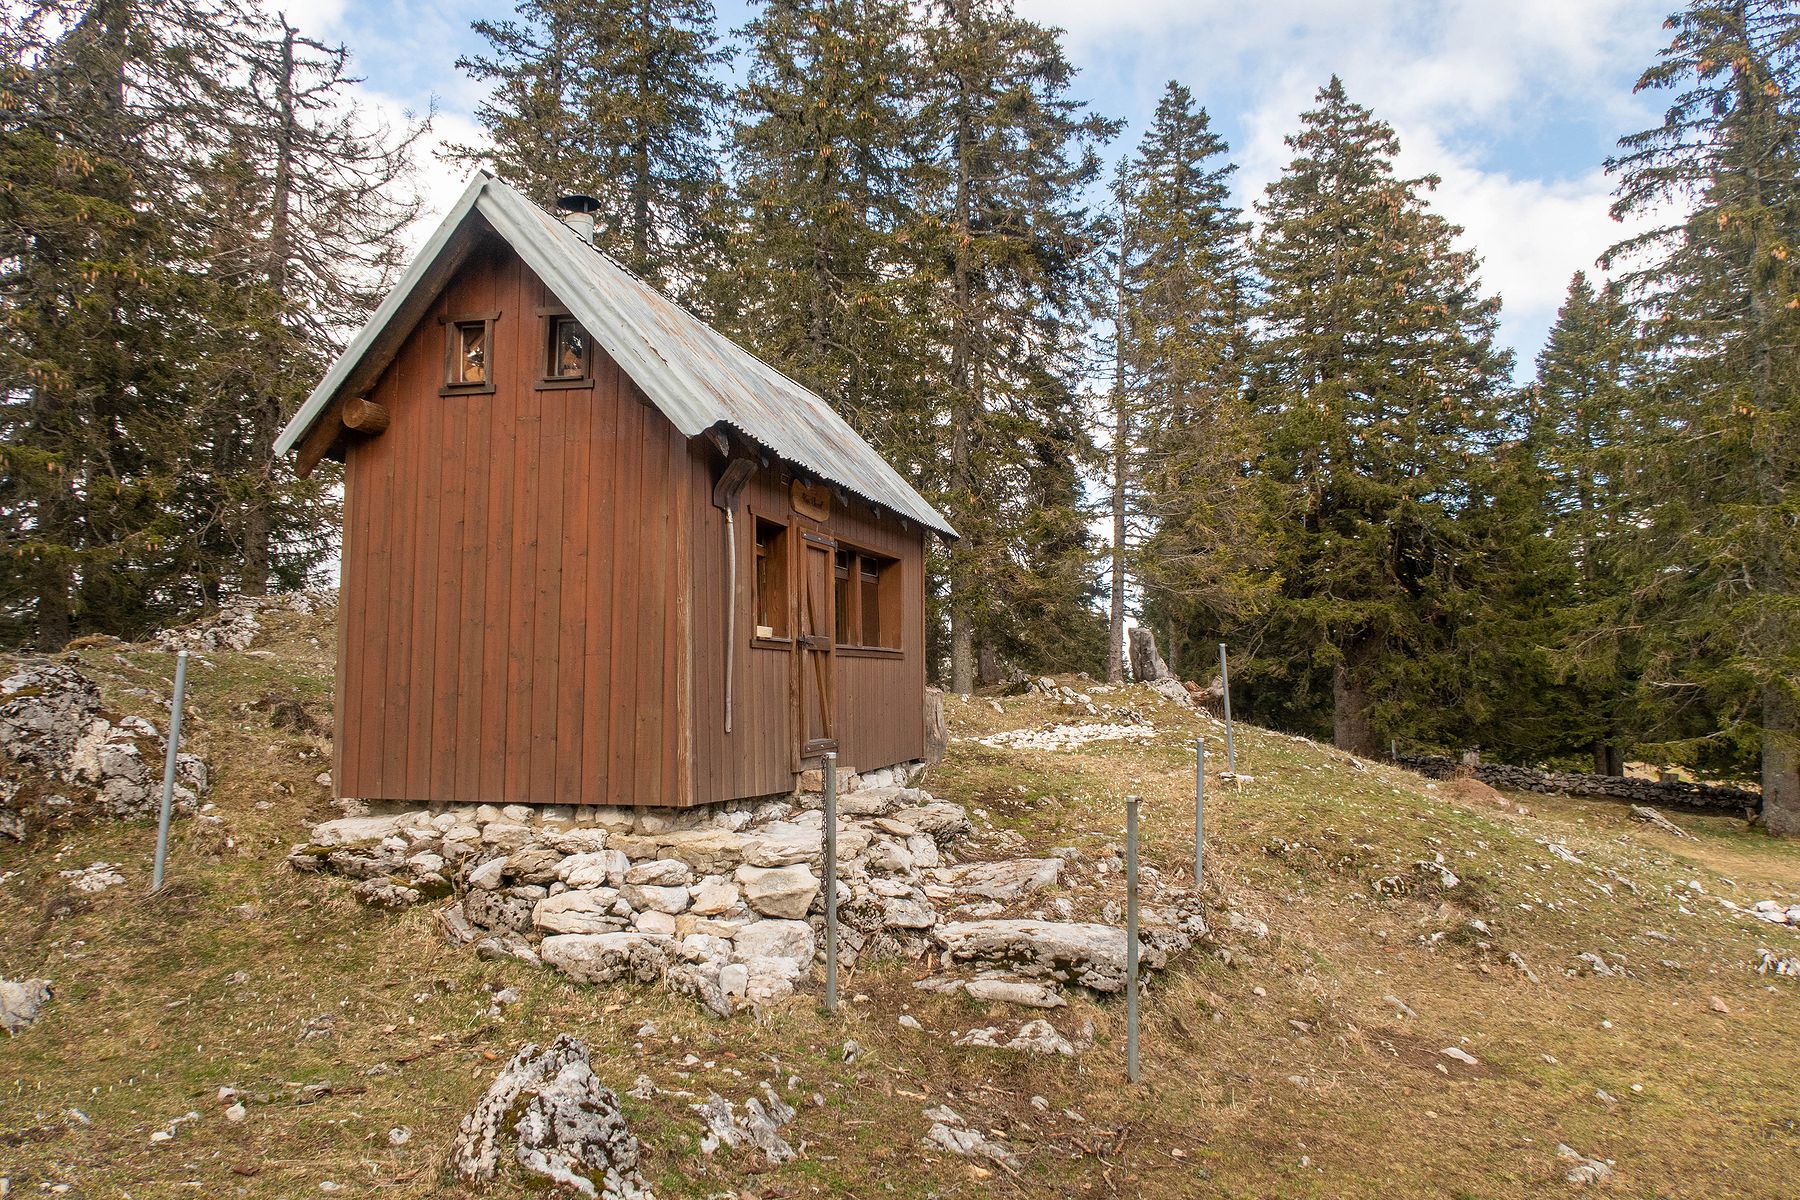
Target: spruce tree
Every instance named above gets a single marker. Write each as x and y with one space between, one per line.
1019 257
108 112
618 99
1584 414
1380 380
822 272
1718 289
1186 281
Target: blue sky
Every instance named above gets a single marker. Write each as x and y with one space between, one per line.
1514 103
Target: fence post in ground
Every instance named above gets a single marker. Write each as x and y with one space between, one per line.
168 791
1225 686
1131 938
831 932
1199 809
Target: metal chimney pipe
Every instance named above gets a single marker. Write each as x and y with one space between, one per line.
577 212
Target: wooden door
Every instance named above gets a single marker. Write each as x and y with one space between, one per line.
818 625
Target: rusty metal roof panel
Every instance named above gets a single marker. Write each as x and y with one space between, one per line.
694 374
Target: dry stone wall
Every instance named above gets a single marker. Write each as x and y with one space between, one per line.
1670 793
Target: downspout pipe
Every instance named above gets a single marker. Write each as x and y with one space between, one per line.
726 495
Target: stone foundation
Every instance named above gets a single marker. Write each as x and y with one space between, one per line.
726 903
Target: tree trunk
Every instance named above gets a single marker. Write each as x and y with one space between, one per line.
1115 647
987 663
1780 763
962 378
1351 728
1607 759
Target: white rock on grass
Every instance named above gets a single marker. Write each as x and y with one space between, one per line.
22 1002
1014 991
1582 1169
562 1122
950 1132
782 892
759 1126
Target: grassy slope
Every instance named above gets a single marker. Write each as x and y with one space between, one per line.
161 1002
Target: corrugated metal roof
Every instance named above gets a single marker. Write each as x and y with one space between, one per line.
694 374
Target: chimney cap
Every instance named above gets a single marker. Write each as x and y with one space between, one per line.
578 202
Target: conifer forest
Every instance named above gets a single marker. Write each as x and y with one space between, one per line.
1284 424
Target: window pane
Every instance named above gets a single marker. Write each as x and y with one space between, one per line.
472 352
770 604
843 608
871 610
569 350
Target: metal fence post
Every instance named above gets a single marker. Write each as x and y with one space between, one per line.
1199 808
831 940
1225 685
1131 938
168 791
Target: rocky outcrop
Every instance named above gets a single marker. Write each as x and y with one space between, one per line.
66 757
1664 793
1079 952
558 1121
240 621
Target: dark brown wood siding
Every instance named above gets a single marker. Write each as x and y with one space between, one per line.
878 698
515 615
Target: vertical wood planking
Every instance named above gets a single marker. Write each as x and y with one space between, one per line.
577 452
598 607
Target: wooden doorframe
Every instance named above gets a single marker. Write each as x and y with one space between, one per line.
814 650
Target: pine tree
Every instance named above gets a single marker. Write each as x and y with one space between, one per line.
1018 255
617 99
1719 290
1203 552
1382 385
822 273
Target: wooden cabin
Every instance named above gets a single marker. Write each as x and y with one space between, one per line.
594 552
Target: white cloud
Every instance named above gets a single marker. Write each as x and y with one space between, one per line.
1471 87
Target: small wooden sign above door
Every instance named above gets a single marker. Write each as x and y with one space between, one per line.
813 500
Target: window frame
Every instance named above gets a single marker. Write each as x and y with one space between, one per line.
549 317
453 327
887 601
782 637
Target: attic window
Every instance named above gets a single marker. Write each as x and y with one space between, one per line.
568 352
469 354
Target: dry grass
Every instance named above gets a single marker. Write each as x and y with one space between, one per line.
160 1002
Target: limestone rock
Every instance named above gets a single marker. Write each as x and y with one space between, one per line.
784 892
565 1125
594 868
498 911
650 898
606 957
759 1126
585 910
1086 953
22 1002
950 1132
715 895
351 831
791 940
1007 879
534 864
660 872
1014 991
